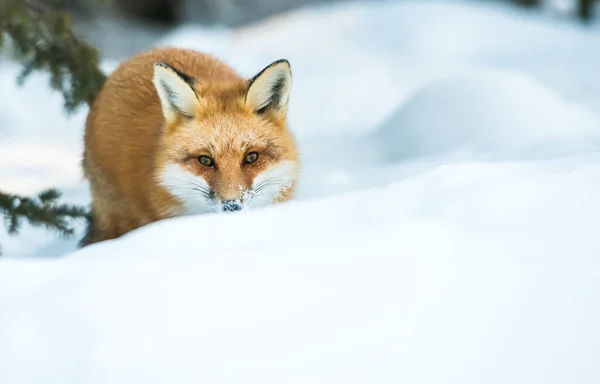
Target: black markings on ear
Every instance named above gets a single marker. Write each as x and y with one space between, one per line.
172 94
183 76
262 110
276 88
275 93
267 67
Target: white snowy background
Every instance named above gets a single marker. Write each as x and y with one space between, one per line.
446 228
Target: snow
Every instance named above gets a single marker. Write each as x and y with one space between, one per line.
478 112
445 228
409 290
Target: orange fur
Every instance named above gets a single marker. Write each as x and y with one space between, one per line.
128 141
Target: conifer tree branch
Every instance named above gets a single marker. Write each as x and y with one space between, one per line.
42 211
43 40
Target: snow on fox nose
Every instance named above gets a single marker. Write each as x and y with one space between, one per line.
232 205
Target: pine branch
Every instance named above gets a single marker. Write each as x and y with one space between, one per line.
43 211
44 41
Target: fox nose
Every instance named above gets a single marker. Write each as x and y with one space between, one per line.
232 205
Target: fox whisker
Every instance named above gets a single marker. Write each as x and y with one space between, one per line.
203 192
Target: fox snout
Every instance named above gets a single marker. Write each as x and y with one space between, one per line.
229 195
231 205
198 195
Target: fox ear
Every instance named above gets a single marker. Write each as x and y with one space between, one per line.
176 92
270 88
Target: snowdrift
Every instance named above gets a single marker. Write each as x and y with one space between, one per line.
467 272
445 228
488 114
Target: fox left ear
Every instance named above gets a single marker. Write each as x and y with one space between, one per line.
270 88
176 92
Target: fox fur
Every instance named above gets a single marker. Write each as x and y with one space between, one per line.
178 132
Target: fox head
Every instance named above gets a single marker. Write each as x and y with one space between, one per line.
225 146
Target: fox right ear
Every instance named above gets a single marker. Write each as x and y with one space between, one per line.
176 92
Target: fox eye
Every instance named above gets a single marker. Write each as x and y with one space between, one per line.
206 161
251 158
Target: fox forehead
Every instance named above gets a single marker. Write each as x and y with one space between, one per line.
222 135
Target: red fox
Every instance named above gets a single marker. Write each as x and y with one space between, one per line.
178 132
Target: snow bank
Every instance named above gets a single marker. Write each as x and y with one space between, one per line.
445 228
483 272
488 114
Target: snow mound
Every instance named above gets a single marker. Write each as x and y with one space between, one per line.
479 270
487 113
383 270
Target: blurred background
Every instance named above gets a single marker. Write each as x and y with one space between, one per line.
105 23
